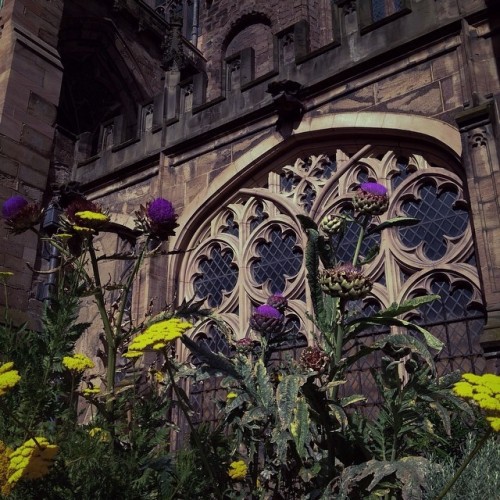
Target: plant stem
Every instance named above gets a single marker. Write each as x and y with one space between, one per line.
99 297
360 241
194 432
457 474
126 291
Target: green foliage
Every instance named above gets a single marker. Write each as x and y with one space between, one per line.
480 480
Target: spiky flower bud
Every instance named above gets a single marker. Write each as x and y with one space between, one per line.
371 199
267 319
313 358
278 301
332 224
345 281
244 345
20 215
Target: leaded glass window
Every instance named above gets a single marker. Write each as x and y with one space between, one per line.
252 246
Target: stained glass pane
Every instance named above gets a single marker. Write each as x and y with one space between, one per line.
287 182
438 217
217 275
259 217
307 198
279 257
231 226
402 174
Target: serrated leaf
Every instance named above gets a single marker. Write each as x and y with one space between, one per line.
286 398
364 323
407 305
300 426
263 388
352 399
394 222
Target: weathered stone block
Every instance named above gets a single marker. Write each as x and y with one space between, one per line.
35 140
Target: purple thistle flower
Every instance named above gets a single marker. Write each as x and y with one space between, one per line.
267 311
373 188
161 211
267 319
13 206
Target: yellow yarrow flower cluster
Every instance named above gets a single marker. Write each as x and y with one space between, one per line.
103 435
91 391
5 453
31 460
237 470
88 215
8 378
484 390
157 336
77 362
231 395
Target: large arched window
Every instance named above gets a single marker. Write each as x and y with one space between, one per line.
252 246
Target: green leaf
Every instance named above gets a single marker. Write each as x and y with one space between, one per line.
286 398
363 323
408 305
397 341
300 426
352 399
263 387
394 222
307 223
372 253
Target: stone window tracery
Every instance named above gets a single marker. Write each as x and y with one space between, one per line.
258 242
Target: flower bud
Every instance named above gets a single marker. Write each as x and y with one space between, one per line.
371 199
278 301
313 358
332 224
244 345
20 215
267 319
345 281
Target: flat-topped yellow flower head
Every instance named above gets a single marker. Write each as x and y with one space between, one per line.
484 391
8 377
157 336
31 460
77 363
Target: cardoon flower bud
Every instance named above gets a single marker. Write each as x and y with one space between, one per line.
244 345
332 224
313 358
371 199
278 301
267 319
80 204
20 215
345 281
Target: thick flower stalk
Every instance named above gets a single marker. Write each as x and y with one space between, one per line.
78 363
267 319
157 336
31 460
371 199
345 281
20 215
8 378
484 391
237 470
